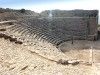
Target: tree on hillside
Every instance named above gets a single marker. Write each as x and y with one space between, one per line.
22 10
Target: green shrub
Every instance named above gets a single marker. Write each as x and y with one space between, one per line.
22 10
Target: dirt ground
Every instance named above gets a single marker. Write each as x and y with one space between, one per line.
35 57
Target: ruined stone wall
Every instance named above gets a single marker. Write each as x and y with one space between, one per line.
70 13
92 25
58 29
86 20
62 26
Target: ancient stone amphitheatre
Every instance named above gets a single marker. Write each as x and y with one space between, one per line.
52 42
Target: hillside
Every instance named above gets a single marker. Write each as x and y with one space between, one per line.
10 14
33 44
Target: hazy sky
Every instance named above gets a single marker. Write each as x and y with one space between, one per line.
39 5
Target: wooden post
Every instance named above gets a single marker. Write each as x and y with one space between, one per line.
91 55
72 39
